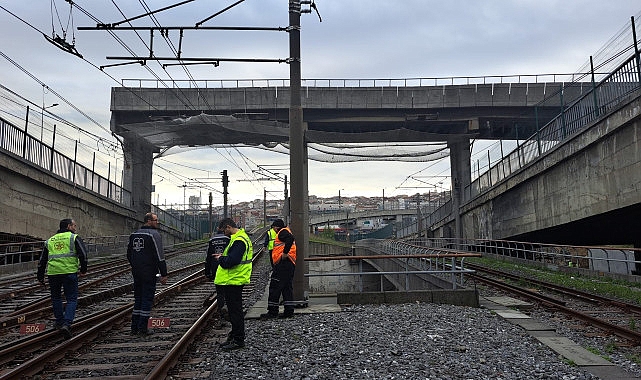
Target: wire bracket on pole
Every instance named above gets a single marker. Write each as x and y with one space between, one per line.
312 5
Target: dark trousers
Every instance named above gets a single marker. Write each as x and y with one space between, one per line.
234 300
220 298
281 284
68 283
144 290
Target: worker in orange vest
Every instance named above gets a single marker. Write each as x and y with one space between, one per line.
284 264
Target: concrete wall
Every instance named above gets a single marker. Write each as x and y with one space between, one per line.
596 172
334 284
33 202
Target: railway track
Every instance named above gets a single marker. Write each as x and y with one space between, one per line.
102 345
30 302
610 316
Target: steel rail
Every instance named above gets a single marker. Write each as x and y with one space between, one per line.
620 331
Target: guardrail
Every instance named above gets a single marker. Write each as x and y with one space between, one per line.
595 258
29 251
605 96
359 82
402 260
19 143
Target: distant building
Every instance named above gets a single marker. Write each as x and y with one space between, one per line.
331 207
194 202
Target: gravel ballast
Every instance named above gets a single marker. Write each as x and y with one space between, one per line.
407 341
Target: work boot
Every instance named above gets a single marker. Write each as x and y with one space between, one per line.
66 331
233 345
287 314
268 316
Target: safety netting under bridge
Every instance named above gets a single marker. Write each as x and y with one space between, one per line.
177 135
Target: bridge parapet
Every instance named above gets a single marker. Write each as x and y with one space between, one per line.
261 98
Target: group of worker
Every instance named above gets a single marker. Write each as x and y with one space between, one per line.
64 257
228 264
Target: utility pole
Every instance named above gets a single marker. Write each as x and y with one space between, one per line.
298 158
225 192
265 206
210 214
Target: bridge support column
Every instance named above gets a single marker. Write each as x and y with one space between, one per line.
137 173
461 174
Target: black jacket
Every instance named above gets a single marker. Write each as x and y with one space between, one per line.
145 254
217 245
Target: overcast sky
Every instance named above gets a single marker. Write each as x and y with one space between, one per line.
356 39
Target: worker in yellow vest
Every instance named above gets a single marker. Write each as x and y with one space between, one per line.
270 236
62 256
233 273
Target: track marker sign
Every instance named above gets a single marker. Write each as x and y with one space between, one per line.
31 328
158 323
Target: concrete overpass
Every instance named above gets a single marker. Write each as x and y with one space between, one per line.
153 119
340 216
525 205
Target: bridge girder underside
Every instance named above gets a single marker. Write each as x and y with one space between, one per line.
269 127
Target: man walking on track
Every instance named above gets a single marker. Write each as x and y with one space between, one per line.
63 254
146 256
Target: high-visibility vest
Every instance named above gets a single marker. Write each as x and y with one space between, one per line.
279 248
272 237
241 273
62 254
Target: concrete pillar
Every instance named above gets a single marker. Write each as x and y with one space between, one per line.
461 174
298 166
139 162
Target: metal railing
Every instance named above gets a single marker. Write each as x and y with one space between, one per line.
358 82
403 261
15 141
596 258
606 96
29 251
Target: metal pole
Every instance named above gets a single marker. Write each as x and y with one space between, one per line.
24 142
53 148
298 158
596 102
225 192
265 206
184 206
563 131
285 204
210 216
636 49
